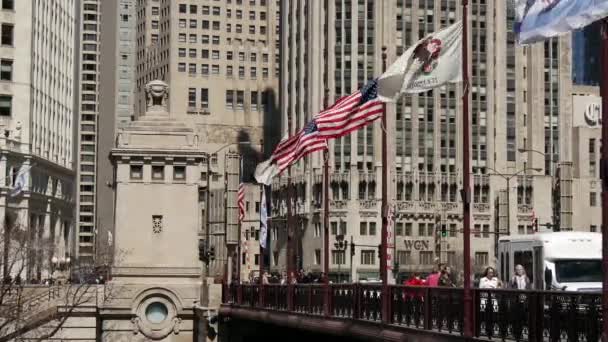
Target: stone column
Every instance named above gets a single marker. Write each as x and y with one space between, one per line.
48 245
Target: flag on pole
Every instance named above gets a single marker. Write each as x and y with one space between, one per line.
263 220
537 20
241 201
430 63
350 112
21 181
290 150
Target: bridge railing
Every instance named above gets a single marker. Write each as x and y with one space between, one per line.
506 315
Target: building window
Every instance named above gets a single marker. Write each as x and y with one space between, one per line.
182 23
215 69
193 38
215 54
205 24
6 70
486 231
229 55
338 257
254 100
205 54
422 229
193 9
216 10
136 172
593 228
372 228
191 97
7 34
216 40
205 39
192 53
155 24
239 28
404 257
481 258
257 259
158 172
253 72
592 199
6 105
263 29
230 99
8 4
155 10
262 15
181 67
183 8
265 73
229 70
181 52
275 258
181 38
426 258
251 29
204 98
368 257
179 173
193 23
205 69
216 25
192 69
317 257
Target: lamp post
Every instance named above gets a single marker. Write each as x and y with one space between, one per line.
508 178
340 246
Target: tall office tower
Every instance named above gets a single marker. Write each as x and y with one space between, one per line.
37 109
337 45
220 60
586 54
116 104
90 69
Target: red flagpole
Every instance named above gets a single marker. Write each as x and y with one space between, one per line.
466 175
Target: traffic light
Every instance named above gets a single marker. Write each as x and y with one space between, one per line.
444 231
201 250
352 249
212 327
212 253
535 224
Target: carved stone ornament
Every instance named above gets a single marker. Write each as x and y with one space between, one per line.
157 93
157 224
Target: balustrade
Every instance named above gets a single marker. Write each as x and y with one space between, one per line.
504 315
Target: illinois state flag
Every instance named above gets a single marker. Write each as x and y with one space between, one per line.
537 20
430 63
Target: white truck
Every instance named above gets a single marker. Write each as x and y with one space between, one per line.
570 261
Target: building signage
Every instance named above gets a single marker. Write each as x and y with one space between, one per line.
419 245
587 111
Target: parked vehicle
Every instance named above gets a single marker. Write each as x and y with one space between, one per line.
570 261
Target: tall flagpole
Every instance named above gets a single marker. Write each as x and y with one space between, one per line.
326 214
384 234
290 235
604 176
466 175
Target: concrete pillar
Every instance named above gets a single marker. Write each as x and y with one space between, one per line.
48 245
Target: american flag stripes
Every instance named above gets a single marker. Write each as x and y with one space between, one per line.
241 201
306 141
350 113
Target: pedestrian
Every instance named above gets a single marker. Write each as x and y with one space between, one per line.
520 280
489 279
433 279
265 278
294 279
446 278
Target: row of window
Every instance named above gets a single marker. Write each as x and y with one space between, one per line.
369 257
8 4
206 10
158 172
214 69
215 40
217 54
404 229
216 26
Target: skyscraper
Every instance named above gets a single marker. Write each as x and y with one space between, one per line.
586 44
38 97
331 48
220 60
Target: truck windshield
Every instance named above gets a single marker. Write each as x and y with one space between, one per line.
577 271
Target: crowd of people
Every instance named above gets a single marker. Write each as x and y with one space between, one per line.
443 276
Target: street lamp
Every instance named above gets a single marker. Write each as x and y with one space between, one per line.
340 246
508 178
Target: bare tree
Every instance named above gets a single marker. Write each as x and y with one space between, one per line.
33 311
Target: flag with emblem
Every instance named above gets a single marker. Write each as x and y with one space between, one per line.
290 150
431 62
350 112
241 194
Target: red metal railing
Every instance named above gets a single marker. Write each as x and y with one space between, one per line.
498 314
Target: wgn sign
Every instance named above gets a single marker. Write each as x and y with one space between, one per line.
587 111
418 245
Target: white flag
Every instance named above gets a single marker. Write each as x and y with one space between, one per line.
263 221
265 171
430 63
537 20
21 181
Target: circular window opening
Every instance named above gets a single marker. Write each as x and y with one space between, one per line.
156 312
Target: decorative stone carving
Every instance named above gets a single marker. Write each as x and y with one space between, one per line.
176 324
337 204
157 94
481 207
405 205
368 204
135 323
157 224
17 131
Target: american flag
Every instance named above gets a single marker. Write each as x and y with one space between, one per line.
351 112
306 141
241 201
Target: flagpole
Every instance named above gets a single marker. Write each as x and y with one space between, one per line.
604 176
238 247
466 174
326 215
290 275
384 234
